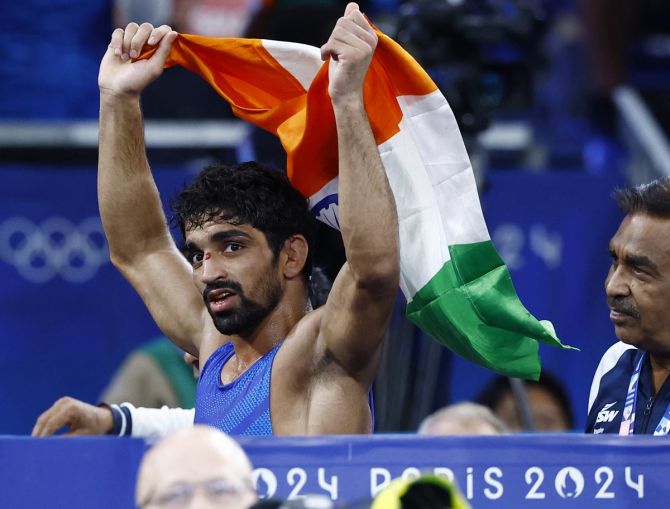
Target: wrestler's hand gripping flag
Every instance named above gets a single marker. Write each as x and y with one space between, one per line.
457 287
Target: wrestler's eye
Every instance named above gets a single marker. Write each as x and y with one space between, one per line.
232 247
196 258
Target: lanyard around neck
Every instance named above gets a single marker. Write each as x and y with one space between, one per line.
628 420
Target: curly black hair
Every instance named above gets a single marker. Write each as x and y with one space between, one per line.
247 193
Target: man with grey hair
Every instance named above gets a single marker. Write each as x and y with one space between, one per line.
630 393
462 419
199 467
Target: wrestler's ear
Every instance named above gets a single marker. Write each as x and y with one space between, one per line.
294 255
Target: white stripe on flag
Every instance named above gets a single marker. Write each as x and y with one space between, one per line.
301 60
434 188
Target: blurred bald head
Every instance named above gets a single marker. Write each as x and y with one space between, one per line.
199 467
462 419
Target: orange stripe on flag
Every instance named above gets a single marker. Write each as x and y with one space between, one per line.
240 71
312 156
265 94
404 75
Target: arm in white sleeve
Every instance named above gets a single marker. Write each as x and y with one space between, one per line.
154 422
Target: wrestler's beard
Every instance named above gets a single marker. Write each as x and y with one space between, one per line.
244 318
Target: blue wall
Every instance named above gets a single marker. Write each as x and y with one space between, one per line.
49 56
67 317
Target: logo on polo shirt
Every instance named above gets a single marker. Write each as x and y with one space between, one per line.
607 415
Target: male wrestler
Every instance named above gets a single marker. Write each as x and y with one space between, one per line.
270 365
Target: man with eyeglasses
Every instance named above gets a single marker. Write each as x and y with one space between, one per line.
199 467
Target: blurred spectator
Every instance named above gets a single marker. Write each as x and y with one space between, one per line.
156 377
216 18
462 419
156 12
192 466
153 375
628 42
550 407
614 28
229 18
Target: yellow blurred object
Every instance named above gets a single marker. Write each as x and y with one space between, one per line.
426 492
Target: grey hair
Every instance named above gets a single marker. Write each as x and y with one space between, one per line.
466 414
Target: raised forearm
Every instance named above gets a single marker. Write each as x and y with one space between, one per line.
368 218
139 239
129 202
357 312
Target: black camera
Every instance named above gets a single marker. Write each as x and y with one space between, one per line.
482 54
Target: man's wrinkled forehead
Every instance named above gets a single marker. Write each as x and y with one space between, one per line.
642 236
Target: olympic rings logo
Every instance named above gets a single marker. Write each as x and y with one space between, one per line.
55 247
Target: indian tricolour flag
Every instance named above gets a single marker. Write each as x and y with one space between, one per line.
458 289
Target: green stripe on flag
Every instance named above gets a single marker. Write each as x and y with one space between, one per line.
471 307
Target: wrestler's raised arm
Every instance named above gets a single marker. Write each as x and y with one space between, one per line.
359 306
140 243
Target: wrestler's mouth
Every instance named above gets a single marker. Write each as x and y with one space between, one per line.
220 299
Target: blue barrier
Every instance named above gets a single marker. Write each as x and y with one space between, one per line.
520 471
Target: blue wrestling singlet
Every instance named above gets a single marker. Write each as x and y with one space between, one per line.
241 407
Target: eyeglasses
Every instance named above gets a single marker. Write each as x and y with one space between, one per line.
179 495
